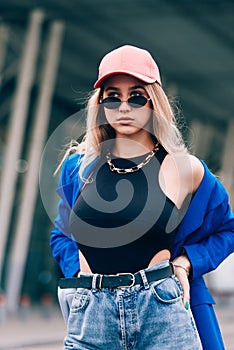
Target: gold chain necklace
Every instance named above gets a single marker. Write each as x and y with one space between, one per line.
134 168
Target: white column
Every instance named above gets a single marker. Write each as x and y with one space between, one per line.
222 280
227 171
4 35
30 186
17 126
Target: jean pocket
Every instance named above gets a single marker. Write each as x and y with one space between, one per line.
80 300
168 291
65 297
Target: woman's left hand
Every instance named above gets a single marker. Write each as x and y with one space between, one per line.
182 267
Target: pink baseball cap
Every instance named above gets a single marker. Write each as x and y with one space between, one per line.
130 60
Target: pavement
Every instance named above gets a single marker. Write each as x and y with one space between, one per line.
33 329
225 315
38 328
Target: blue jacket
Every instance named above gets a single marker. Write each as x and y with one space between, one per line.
206 231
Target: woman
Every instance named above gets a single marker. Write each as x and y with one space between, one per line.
131 197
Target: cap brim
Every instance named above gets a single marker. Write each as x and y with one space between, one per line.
139 76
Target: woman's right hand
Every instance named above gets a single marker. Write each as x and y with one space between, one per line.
182 267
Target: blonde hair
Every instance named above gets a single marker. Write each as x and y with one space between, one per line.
98 130
165 127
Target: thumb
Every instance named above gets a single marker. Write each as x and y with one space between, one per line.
183 279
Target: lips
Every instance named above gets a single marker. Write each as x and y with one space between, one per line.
124 119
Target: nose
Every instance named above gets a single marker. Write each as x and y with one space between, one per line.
124 107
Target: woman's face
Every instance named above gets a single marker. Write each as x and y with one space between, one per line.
125 119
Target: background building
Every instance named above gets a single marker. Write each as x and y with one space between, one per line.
48 62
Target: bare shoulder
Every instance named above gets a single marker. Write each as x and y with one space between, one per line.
180 175
188 167
197 171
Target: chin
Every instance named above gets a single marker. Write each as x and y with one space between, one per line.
127 130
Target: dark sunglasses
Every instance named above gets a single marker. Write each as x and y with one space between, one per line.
115 102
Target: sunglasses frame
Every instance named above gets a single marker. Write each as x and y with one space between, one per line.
118 100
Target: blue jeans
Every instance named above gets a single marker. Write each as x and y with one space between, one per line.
140 317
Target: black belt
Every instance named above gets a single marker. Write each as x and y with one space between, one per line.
120 280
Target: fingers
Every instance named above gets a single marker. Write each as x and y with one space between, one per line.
183 278
182 267
186 305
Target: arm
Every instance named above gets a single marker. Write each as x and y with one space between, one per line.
207 254
211 239
64 250
64 247
202 257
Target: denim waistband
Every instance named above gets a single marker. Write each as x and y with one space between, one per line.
121 280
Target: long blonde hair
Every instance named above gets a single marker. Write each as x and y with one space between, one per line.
98 130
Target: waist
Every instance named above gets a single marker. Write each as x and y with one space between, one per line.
121 280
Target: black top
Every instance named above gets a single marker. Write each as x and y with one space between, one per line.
121 221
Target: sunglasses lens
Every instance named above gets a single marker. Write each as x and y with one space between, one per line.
137 101
115 102
111 102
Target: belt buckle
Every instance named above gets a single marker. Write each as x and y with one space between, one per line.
132 277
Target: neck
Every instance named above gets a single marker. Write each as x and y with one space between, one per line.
131 147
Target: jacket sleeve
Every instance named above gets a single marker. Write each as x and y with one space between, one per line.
64 247
218 243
